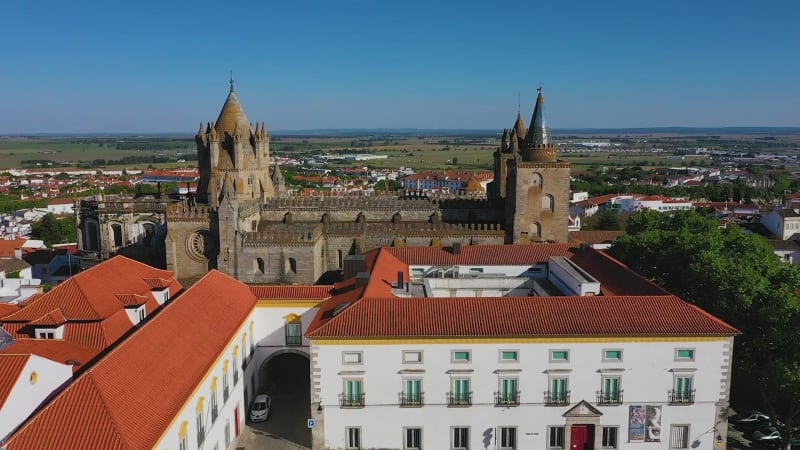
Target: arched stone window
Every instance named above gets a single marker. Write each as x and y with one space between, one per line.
536 180
292 265
260 265
287 218
340 258
149 234
547 203
116 231
397 218
536 230
92 236
361 218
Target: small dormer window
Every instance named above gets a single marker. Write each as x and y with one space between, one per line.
45 333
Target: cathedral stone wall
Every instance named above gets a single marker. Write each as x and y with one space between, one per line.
540 195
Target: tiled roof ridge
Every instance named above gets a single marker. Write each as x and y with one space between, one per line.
50 315
107 408
708 314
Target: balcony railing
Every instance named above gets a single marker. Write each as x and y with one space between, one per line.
459 399
412 399
554 398
506 398
681 397
609 398
294 340
351 401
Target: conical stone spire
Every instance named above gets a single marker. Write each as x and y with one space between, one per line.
278 181
232 117
538 133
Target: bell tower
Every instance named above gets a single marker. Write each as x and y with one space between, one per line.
537 186
232 150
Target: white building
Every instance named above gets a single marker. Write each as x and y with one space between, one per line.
524 347
783 223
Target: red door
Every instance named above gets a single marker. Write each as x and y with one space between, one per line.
578 437
236 420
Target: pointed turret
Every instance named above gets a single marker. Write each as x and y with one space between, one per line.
514 141
232 117
538 133
278 181
504 143
519 126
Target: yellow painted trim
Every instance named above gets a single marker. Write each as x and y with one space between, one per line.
214 383
225 366
199 407
289 303
514 340
184 429
235 351
292 318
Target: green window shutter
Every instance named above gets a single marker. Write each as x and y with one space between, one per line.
413 390
559 388
610 388
353 390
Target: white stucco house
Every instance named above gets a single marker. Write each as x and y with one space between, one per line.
524 347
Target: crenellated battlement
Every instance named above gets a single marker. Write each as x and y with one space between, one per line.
326 203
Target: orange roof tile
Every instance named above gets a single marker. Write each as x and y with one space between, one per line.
54 349
7 308
291 292
10 368
8 246
128 398
53 318
90 295
522 316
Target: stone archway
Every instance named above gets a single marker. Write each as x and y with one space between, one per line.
286 376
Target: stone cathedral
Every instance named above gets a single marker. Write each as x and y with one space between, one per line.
242 222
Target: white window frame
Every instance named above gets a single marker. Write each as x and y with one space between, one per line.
407 353
506 360
453 438
603 441
406 430
350 357
551 430
680 358
607 359
461 361
558 350
672 436
501 444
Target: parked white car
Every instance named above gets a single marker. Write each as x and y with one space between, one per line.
259 412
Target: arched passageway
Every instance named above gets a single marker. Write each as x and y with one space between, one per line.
285 376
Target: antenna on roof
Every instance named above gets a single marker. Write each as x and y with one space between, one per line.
231 80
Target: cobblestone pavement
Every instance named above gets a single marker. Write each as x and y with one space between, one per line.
253 439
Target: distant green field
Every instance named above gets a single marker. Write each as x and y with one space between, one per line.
419 153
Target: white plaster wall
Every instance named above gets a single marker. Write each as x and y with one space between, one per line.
25 396
646 379
270 336
774 223
214 430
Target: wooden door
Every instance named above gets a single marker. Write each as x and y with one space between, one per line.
579 437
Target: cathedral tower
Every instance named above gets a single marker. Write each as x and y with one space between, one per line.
231 150
537 185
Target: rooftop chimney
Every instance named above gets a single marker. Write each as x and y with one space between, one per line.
400 276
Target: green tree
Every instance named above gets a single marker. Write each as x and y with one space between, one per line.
737 277
53 230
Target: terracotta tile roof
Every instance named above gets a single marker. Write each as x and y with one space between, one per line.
594 236
53 349
481 254
625 308
10 368
128 398
80 407
6 309
8 246
90 295
614 276
291 292
53 318
664 315
132 299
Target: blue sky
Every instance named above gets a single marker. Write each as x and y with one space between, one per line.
163 66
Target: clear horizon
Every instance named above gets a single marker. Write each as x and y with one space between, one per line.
159 67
